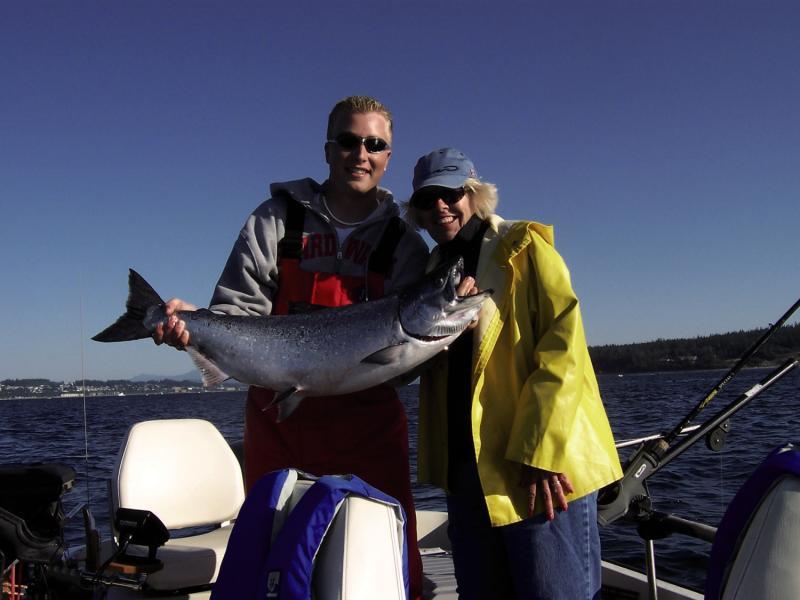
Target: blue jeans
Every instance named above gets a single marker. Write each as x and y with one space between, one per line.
532 559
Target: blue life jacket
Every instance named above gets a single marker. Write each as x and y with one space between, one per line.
251 537
269 559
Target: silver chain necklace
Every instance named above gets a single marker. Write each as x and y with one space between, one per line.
337 219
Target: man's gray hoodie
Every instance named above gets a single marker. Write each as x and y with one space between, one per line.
249 281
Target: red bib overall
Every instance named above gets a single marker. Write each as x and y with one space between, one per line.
364 433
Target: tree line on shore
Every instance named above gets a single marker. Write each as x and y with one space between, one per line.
708 352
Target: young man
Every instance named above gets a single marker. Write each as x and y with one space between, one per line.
314 245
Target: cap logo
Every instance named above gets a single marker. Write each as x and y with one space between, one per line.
447 168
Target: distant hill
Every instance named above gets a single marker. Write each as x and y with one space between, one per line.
709 352
192 375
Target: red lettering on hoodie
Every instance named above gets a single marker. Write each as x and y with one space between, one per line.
357 251
317 245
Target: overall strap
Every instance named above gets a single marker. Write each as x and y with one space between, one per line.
380 261
291 245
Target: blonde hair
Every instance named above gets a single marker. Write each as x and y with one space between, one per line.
482 196
359 105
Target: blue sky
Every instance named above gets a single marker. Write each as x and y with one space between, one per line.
662 139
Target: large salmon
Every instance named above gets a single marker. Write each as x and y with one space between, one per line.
322 353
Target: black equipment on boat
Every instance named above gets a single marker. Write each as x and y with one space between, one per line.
32 542
31 515
141 528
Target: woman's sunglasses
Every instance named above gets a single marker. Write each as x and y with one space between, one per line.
425 199
350 141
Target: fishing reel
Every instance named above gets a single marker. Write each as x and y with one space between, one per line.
715 440
629 496
616 500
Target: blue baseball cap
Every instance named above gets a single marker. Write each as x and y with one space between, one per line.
446 167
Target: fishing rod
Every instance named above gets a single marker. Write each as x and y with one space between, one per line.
727 412
615 500
85 416
647 438
670 437
91 535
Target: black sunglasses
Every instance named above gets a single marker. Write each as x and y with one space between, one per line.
426 198
350 141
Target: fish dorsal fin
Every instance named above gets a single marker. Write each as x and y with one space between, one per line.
212 374
287 401
385 356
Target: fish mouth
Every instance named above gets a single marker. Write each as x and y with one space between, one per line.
438 313
457 314
429 339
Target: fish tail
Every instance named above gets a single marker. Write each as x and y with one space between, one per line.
130 326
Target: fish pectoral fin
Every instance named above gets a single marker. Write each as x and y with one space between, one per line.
212 374
385 356
287 401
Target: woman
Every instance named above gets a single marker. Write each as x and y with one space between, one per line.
511 420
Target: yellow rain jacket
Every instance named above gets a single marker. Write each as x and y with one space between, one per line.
534 393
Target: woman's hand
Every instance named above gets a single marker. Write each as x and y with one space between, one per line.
173 332
467 287
550 485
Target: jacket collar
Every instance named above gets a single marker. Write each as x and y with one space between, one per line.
309 193
502 241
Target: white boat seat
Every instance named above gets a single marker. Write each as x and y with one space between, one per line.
361 555
756 550
185 472
766 564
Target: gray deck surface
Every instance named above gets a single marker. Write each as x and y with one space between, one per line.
440 580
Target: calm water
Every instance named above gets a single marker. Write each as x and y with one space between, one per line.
697 485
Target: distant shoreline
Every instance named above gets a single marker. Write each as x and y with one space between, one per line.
762 366
115 396
720 351
172 392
